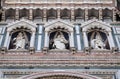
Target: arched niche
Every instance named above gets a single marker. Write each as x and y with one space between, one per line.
61 29
98 40
20 39
59 39
59 75
23 30
99 31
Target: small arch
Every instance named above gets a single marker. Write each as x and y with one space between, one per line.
10 14
79 13
24 13
107 14
51 13
93 13
38 13
65 14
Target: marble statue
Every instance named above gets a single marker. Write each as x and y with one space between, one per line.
59 42
20 41
97 43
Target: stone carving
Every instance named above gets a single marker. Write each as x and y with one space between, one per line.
59 42
97 43
20 41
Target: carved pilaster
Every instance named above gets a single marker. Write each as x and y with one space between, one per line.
44 15
86 46
86 14
32 41
30 14
58 13
114 15
72 15
100 14
17 14
3 15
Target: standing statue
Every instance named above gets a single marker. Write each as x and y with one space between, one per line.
59 42
97 43
20 41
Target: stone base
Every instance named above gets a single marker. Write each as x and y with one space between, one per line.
73 50
45 50
32 50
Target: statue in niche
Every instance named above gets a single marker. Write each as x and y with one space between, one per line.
97 43
59 41
20 40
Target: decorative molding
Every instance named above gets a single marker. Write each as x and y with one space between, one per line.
59 23
22 23
95 23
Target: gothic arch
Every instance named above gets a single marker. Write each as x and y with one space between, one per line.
61 27
57 74
99 26
95 23
59 23
22 23
26 29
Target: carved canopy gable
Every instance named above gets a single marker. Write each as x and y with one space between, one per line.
22 23
95 24
59 24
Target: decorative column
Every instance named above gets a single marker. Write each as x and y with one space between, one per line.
58 13
100 14
32 42
86 14
114 17
46 42
85 42
1 74
77 29
40 40
6 42
118 75
72 47
30 13
72 15
17 14
3 15
44 15
111 42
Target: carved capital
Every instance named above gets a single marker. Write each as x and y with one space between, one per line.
73 50
87 50
3 50
32 50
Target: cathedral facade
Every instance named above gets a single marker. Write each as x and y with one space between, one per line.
60 39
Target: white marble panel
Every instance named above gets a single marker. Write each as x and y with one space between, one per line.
39 42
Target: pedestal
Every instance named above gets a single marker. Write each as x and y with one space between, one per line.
87 50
